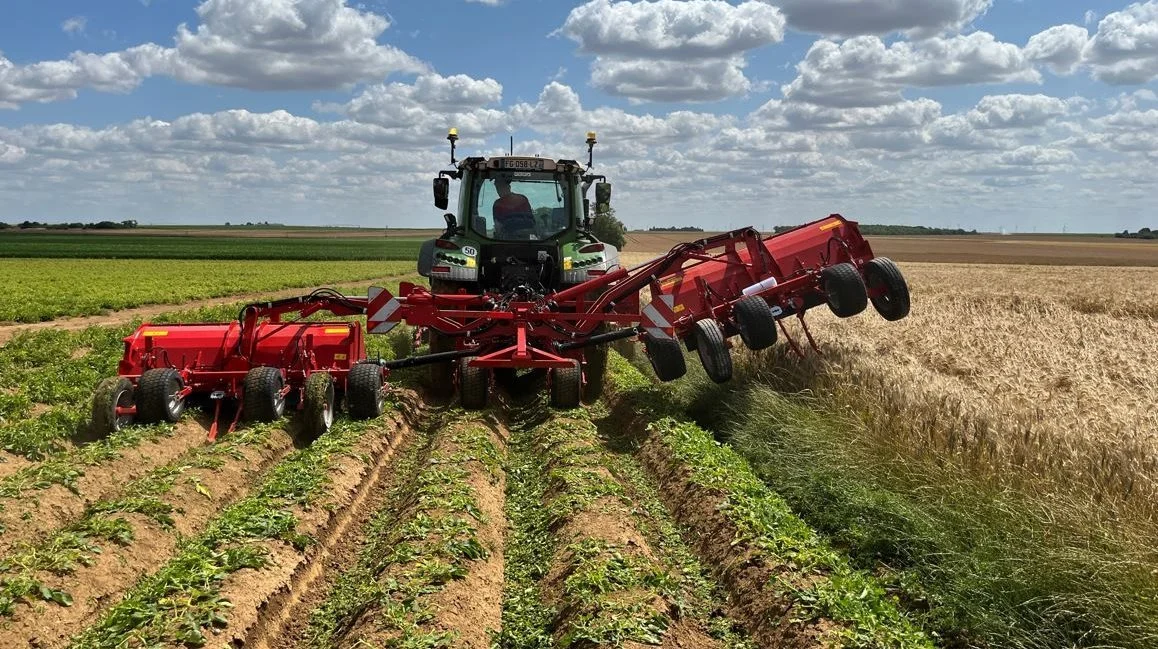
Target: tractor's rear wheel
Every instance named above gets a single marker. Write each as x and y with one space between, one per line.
666 356
110 394
844 289
473 385
756 323
158 396
318 405
566 387
892 291
263 396
364 396
713 350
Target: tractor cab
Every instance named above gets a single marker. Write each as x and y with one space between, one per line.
522 223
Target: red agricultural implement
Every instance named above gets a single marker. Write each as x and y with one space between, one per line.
522 284
702 293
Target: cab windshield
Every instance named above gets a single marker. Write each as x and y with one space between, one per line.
521 206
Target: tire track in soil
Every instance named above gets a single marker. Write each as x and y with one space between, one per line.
284 618
125 316
259 596
117 568
37 512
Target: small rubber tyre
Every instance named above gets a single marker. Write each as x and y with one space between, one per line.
158 396
844 290
566 387
473 385
666 356
756 323
318 405
884 278
110 394
263 396
713 350
365 398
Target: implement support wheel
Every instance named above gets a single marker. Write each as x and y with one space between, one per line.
158 397
888 289
318 405
364 396
110 394
666 356
263 399
713 350
844 289
756 323
566 387
473 385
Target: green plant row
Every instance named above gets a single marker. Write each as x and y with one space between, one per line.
45 289
413 552
182 601
79 543
123 246
813 574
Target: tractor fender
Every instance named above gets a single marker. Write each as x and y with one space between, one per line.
426 257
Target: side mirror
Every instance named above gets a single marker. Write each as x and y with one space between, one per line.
451 222
602 194
441 192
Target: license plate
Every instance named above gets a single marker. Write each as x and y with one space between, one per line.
535 164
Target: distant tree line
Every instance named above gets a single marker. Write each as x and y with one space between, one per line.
686 228
887 230
1144 233
99 225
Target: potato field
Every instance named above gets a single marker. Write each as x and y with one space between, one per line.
981 475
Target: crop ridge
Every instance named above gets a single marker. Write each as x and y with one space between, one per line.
785 585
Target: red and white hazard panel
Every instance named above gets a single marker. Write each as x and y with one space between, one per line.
382 313
658 316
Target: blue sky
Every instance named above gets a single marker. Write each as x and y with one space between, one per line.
993 114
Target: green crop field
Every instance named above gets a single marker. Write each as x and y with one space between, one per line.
132 246
43 289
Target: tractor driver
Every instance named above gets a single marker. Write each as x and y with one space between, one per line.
511 211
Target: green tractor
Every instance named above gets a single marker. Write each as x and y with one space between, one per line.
522 229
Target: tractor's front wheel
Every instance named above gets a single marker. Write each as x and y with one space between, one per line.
473 385
566 387
318 405
112 393
159 396
364 396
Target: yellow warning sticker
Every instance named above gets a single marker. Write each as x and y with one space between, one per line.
155 332
470 262
567 261
339 357
678 308
831 225
337 330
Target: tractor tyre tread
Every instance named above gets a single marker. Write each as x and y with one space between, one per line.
666 356
364 396
713 350
566 387
261 399
894 303
104 404
153 391
318 405
844 289
756 323
473 385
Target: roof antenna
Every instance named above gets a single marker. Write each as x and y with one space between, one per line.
512 145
